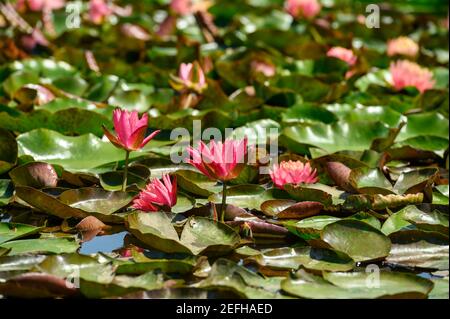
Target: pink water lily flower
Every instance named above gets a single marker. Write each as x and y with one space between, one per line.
185 7
405 73
343 54
130 130
190 77
266 68
222 161
40 5
157 195
99 10
402 46
302 8
181 7
293 172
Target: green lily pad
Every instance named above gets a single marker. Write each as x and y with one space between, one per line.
70 120
248 196
317 259
196 183
337 136
12 231
19 263
137 175
357 239
74 153
306 112
121 285
432 126
75 266
17 80
358 285
156 230
47 203
199 235
184 203
41 245
71 84
6 191
257 132
310 88
383 114
370 181
226 275
315 192
415 181
142 264
310 228
412 218
441 196
440 290
419 254
202 235
97 202
49 68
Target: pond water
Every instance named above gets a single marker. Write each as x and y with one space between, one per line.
105 244
5 218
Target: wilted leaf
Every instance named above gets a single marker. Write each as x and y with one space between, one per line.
290 209
34 174
37 285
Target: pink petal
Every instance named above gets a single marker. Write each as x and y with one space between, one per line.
149 138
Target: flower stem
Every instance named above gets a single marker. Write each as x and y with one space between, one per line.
224 202
125 172
316 35
188 101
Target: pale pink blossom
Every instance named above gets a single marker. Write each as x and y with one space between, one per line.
181 7
405 73
40 5
343 54
99 10
292 172
190 77
303 8
263 67
402 46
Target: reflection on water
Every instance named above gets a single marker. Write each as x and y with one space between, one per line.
427 275
104 244
5 218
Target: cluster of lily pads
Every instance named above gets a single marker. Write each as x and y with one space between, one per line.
93 206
